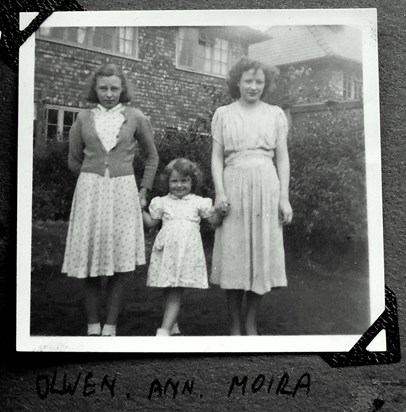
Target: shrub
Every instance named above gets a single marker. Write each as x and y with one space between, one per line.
328 192
53 184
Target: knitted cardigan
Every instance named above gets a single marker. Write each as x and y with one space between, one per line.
87 153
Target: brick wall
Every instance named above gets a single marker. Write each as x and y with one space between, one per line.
169 96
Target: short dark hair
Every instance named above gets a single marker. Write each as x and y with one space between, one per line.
186 168
244 65
107 70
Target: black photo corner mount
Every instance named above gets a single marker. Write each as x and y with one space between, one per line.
359 355
11 35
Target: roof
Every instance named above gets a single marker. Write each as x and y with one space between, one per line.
294 44
242 33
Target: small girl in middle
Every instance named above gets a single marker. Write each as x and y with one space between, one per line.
177 259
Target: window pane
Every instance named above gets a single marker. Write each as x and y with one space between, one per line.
188 42
52 132
67 118
72 34
103 37
65 134
58 32
82 34
52 116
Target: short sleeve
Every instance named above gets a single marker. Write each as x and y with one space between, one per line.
206 208
217 127
282 127
156 209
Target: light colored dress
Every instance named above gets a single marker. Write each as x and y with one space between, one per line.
105 232
248 249
177 258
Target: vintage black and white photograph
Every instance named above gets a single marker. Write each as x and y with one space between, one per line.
203 181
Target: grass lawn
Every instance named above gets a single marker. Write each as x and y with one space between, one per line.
320 299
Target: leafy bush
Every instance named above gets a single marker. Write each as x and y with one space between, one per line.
328 192
53 184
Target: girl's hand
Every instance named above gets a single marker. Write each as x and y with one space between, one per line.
143 197
222 205
285 211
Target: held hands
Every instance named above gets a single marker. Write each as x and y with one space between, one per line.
222 205
143 198
285 211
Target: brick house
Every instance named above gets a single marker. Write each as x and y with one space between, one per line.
316 63
168 68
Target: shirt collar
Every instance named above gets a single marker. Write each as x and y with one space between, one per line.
187 197
113 109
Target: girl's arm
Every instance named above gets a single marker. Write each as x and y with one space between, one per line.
217 168
148 220
145 138
76 146
283 169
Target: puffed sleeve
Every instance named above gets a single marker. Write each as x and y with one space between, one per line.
217 126
206 208
76 145
281 127
145 137
156 209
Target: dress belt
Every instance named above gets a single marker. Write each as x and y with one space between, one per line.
246 154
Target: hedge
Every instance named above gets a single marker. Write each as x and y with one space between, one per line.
327 189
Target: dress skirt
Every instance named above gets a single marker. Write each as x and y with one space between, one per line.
248 251
105 232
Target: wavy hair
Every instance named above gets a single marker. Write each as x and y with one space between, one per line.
243 65
185 167
108 70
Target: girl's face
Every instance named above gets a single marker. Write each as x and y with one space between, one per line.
251 85
179 185
108 90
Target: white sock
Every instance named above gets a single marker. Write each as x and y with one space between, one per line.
175 329
93 329
109 330
162 332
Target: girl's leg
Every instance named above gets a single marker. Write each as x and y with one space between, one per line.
92 304
92 299
234 298
115 288
173 298
253 303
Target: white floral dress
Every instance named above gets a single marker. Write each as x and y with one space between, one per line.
177 258
248 251
105 234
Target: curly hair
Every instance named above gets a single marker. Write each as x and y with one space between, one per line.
108 70
244 65
185 167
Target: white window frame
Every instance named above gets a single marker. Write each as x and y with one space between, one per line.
197 70
60 118
349 81
45 36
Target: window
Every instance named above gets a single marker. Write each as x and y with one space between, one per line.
117 40
201 52
59 120
352 86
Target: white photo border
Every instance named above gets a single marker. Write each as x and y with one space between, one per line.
365 19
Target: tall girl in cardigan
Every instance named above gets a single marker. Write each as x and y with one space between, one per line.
105 236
